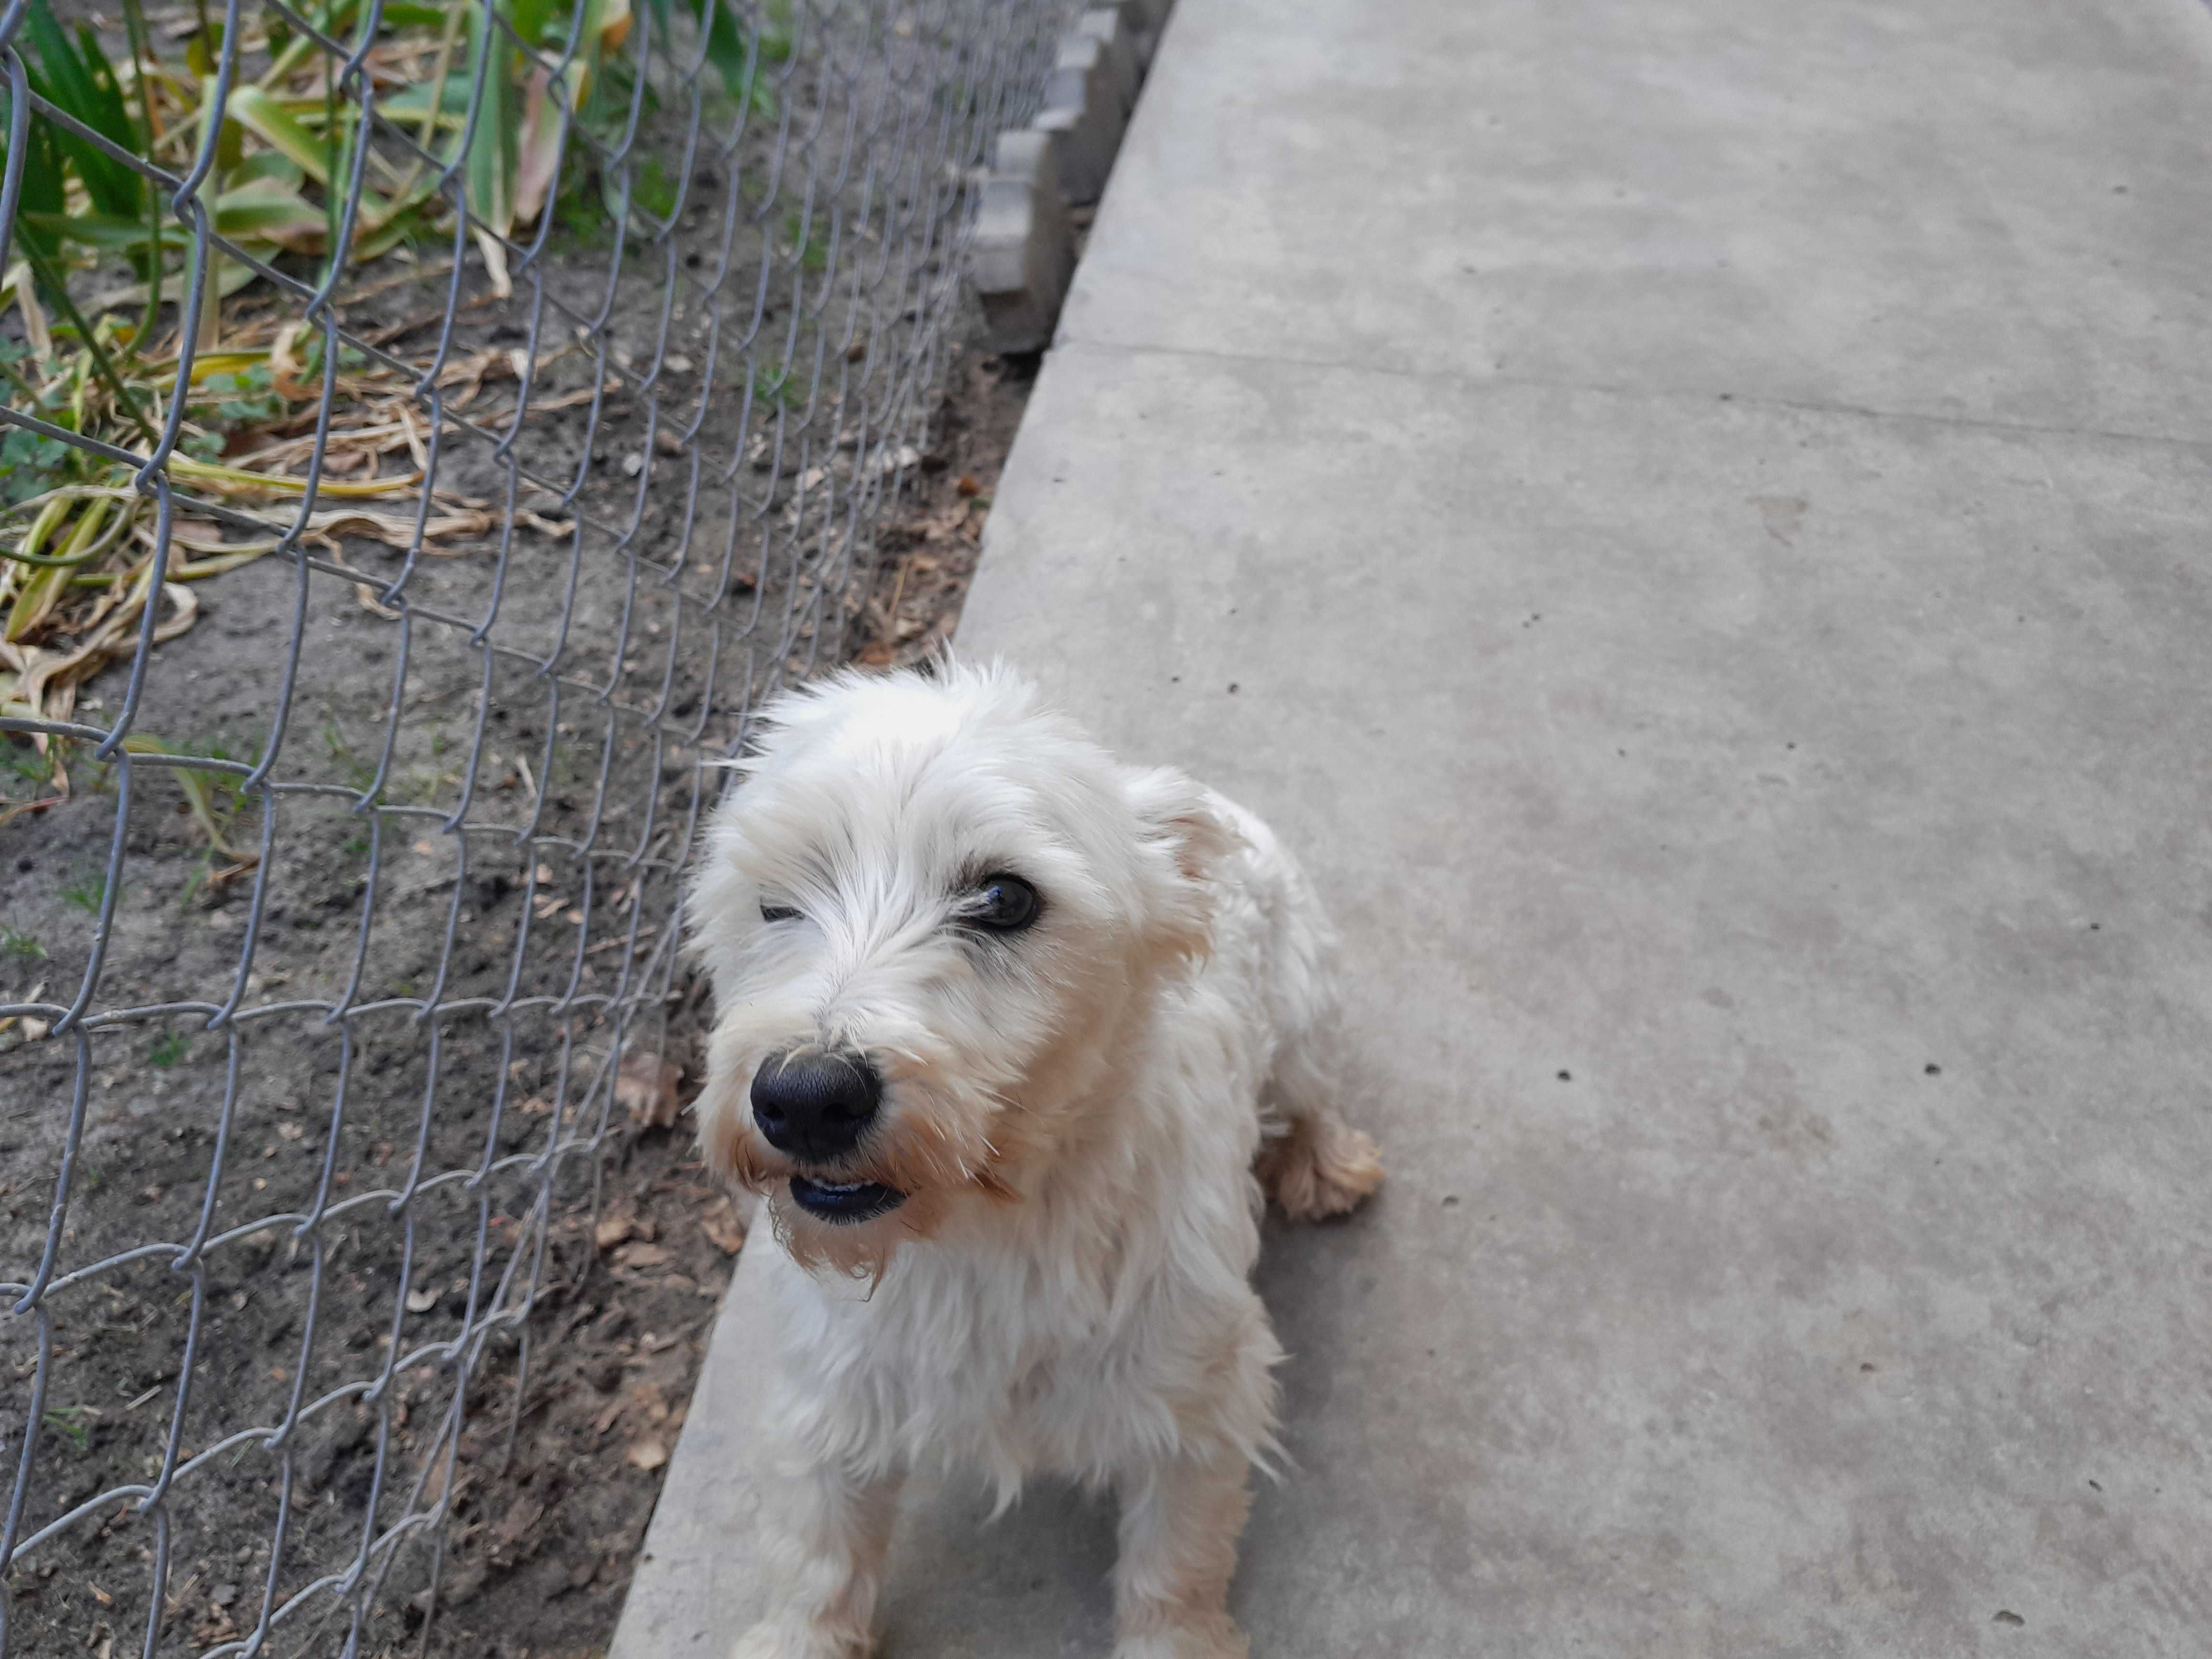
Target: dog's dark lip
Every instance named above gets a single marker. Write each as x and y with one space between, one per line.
844 1203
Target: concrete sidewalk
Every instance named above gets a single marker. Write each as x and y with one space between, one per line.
1692 516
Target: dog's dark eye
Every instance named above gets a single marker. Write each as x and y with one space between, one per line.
777 912
1004 903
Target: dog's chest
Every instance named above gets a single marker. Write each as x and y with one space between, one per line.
989 1364
1007 1364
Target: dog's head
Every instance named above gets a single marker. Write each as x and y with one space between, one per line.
932 912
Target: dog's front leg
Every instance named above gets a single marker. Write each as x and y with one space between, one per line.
1179 1523
828 1530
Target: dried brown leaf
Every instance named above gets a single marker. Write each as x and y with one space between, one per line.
524 1515
216 1627
612 1231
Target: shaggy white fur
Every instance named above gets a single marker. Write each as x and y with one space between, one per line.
1092 996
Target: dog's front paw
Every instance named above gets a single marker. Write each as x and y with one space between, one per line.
785 1638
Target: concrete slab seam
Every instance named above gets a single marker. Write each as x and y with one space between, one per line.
1447 376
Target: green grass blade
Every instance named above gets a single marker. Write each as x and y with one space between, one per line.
103 230
262 115
408 106
268 212
725 46
148 260
42 197
268 120
85 88
487 170
534 20
198 792
265 167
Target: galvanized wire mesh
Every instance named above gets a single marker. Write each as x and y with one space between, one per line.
371 1050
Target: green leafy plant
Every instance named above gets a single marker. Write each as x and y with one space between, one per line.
310 359
87 893
73 1421
778 384
233 403
91 357
357 772
734 58
34 767
803 245
168 1050
28 462
510 176
650 189
258 201
211 796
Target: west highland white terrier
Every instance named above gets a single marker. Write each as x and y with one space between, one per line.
1016 1035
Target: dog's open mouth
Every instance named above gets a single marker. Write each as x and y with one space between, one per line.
845 1201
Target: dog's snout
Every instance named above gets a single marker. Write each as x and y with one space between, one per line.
816 1106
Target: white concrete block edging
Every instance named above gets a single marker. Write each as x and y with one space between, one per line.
1023 257
1086 111
1117 40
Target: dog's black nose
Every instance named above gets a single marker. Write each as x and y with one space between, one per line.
815 1106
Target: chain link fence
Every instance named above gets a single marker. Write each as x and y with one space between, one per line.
430 431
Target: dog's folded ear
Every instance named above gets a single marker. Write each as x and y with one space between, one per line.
1186 836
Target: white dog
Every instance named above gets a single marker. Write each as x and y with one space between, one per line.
1003 1026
